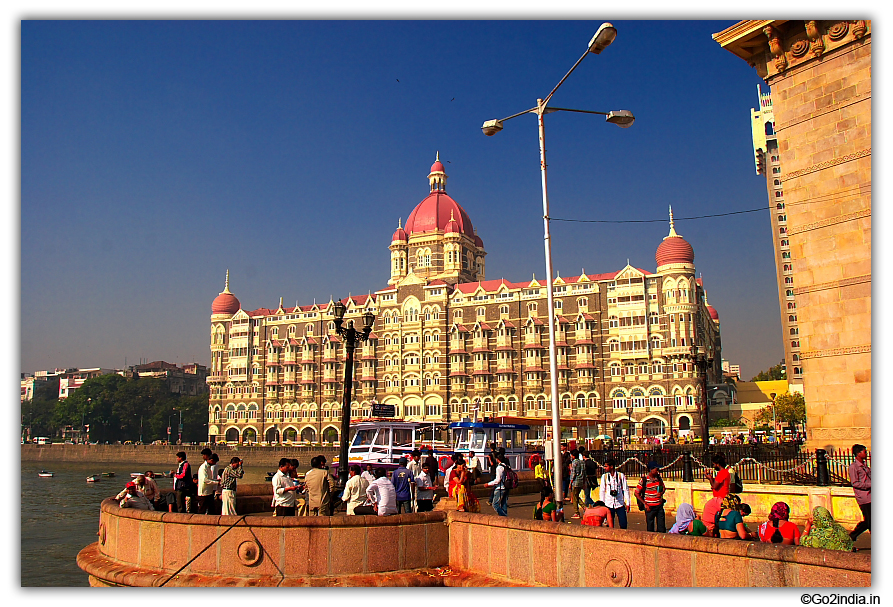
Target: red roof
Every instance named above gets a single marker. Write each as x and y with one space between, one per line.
536 369
307 381
485 326
454 373
488 285
293 342
502 348
588 317
510 325
585 366
674 249
225 303
436 282
434 212
481 372
275 343
533 347
480 349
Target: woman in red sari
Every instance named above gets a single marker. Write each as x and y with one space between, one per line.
465 499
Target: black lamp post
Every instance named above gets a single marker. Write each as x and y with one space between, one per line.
702 362
351 337
671 412
632 424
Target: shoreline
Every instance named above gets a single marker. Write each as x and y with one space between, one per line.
165 454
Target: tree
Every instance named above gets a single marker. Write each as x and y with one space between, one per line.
726 423
789 407
774 373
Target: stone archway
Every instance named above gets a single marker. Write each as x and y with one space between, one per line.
290 435
330 435
249 435
308 435
272 435
232 435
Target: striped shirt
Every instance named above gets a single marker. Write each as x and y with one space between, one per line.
651 490
229 477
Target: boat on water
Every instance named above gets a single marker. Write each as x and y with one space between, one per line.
383 443
45 474
94 478
108 474
477 436
135 474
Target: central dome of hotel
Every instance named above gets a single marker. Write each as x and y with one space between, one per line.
438 208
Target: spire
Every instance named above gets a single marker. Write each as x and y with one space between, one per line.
437 158
672 228
226 283
454 219
400 223
280 303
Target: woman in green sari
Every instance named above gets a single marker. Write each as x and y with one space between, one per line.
822 532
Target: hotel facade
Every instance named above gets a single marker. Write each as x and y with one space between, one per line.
446 338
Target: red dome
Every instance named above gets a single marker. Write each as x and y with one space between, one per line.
674 249
437 167
434 213
399 235
478 242
452 227
225 303
713 313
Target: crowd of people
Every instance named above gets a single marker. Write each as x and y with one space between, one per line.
598 499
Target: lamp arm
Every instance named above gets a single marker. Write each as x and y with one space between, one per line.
530 111
560 82
564 109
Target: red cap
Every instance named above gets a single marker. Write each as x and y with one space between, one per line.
129 485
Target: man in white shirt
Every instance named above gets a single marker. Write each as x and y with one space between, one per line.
424 490
207 484
475 466
500 497
382 494
355 490
369 474
614 492
284 490
133 498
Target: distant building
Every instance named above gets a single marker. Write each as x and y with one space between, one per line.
189 379
768 163
72 379
819 73
445 337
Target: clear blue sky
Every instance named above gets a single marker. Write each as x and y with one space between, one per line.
155 155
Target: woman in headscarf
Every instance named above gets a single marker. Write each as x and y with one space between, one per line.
729 521
778 529
686 522
822 532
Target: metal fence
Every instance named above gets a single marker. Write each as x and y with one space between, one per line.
760 464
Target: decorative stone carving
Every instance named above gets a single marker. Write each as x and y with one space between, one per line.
618 574
838 31
249 553
814 33
859 29
799 48
776 47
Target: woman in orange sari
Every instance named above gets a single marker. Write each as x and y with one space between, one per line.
466 500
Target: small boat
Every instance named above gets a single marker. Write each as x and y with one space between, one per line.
94 478
133 474
45 474
108 474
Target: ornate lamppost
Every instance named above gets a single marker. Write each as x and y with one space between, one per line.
631 426
702 362
603 37
351 337
671 413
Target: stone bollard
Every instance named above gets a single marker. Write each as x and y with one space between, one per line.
823 479
687 475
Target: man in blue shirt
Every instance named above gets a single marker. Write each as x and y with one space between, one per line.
401 478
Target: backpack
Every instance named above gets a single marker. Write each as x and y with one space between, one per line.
735 483
511 478
591 473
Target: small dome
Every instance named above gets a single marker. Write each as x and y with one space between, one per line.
399 235
437 167
674 248
226 302
452 227
713 313
477 241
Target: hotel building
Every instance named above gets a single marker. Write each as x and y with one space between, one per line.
446 337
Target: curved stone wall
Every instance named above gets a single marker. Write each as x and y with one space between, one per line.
144 548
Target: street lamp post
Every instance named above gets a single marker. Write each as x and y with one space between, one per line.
631 428
671 412
351 338
622 118
169 417
702 362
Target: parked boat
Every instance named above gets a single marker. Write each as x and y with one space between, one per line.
44 474
94 478
135 474
477 436
108 474
382 443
